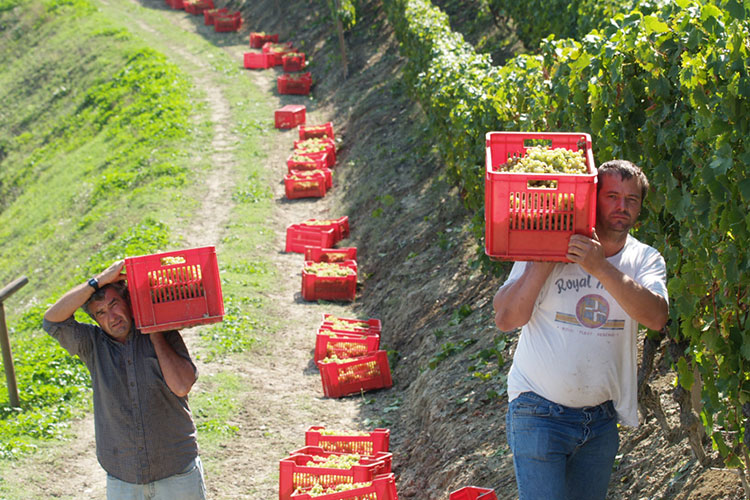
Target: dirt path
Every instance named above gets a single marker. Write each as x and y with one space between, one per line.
283 396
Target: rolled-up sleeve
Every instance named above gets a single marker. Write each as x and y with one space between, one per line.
74 337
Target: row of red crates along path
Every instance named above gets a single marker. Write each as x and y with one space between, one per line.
223 20
334 460
295 80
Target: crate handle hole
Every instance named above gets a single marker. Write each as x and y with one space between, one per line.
528 143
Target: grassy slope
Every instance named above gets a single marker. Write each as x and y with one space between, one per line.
101 156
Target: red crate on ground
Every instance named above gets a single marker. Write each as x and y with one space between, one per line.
363 373
525 222
289 116
318 254
316 131
311 187
294 472
294 83
175 290
383 487
301 162
316 155
375 441
338 324
198 7
224 23
325 171
340 225
344 345
258 38
298 237
316 145
257 60
210 14
293 61
339 288
176 4
385 457
473 493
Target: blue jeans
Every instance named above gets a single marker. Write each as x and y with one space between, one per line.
561 453
187 485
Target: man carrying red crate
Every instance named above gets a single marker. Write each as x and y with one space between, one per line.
145 435
574 370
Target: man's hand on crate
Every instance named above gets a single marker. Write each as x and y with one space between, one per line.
113 273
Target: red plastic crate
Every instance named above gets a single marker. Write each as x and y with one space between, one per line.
337 324
257 39
295 473
312 131
523 222
383 487
296 84
377 440
325 171
301 162
289 116
327 143
317 155
316 287
293 61
318 254
298 237
473 493
176 4
344 345
210 14
169 296
313 187
340 225
198 7
256 60
363 373
224 23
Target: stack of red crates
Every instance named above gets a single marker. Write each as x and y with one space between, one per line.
209 15
309 173
348 355
277 50
303 469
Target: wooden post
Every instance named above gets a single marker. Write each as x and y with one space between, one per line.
342 42
10 373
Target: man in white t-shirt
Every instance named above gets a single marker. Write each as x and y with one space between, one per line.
574 370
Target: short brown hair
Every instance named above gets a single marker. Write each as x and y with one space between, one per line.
120 287
626 170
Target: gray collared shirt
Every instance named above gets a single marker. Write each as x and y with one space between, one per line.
144 432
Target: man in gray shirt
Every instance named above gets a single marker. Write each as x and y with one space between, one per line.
145 435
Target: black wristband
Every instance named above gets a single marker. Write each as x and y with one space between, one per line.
94 283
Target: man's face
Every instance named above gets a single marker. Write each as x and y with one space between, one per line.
113 315
618 204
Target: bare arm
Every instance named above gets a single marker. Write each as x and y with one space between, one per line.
514 302
66 306
648 308
178 372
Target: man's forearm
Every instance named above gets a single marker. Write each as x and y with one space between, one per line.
514 302
178 372
648 308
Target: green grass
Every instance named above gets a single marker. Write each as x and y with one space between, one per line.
104 149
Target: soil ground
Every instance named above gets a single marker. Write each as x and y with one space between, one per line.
416 275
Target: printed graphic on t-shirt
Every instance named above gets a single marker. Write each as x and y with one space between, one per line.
592 311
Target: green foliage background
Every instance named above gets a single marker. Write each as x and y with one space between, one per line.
667 88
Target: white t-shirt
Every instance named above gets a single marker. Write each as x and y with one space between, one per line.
579 347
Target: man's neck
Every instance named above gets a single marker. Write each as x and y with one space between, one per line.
612 242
